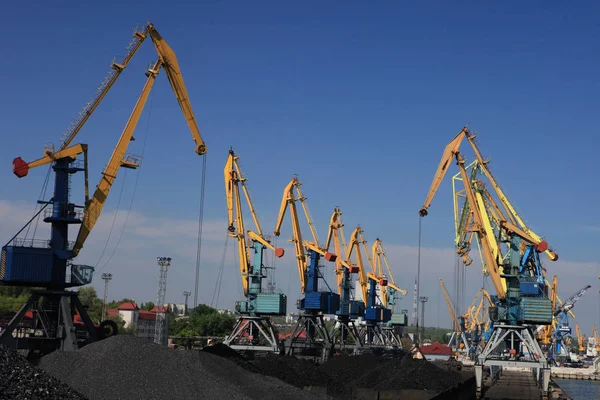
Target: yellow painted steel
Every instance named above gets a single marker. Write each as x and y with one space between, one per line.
380 259
94 206
336 234
233 180
288 200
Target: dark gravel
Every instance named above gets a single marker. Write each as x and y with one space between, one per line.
343 374
128 367
409 373
19 380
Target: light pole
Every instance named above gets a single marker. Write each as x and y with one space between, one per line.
159 335
106 277
186 294
423 300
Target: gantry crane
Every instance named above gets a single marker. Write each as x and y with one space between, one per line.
458 337
392 329
315 303
388 292
449 153
521 294
48 264
580 340
253 330
375 315
350 309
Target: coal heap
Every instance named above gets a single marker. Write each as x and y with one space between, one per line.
129 367
343 374
19 380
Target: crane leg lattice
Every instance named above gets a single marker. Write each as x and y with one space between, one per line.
253 334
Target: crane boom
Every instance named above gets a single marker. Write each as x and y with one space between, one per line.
116 69
451 311
233 179
118 159
171 67
289 200
168 61
449 152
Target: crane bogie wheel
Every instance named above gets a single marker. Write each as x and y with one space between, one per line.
108 328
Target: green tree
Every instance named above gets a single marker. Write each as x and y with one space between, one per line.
89 298
147 306
12 298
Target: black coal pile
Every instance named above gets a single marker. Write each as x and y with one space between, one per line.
222 350
19 380
295 371
343 374
408 373
128 367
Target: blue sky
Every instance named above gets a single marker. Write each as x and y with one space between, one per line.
359 100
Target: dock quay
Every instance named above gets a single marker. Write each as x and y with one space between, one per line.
586 374
518 385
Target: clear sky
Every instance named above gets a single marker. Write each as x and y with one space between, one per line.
358 99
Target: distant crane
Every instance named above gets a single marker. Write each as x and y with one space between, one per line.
253 330
315 302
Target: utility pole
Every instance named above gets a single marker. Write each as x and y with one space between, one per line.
186 294
160 335
415 319
106 277
423 300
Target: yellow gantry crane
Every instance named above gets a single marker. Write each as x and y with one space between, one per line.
580 339
253 330
387 291
166 60
375 331
520 287
350 309
450 152
52 263
315 303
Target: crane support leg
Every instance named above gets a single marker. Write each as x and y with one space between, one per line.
391 336
316 343
253 334
50 325
513 346
343 330
374 337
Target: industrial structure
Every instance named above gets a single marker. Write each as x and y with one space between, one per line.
160 333
523 323
253 330
310 335
48 264
510 257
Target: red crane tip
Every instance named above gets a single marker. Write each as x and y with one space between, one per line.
542 246
330 257
20 167
279 252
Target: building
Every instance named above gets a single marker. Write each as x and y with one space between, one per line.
143 322
436 351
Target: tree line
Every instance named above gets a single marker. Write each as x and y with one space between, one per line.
200 321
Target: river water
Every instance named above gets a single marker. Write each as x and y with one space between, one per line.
580 390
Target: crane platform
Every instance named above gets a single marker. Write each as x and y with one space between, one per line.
518 385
